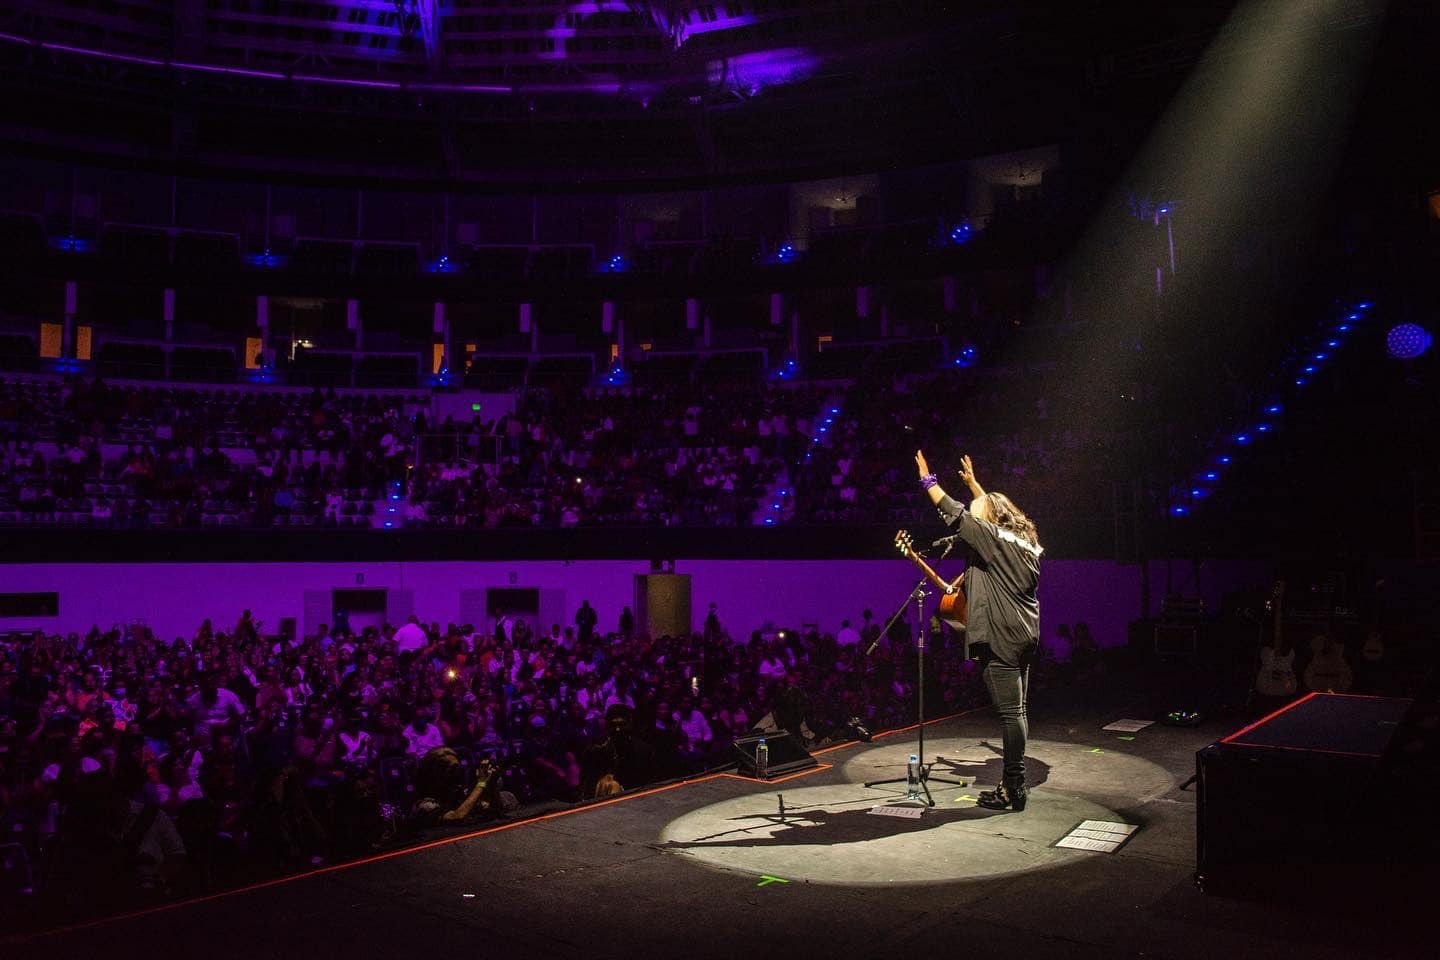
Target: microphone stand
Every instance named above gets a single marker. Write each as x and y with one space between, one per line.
917 595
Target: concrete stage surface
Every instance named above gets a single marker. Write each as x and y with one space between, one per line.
711 868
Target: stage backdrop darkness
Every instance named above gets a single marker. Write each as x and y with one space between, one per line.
174 598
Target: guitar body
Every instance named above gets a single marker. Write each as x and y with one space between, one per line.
952 607
1328 672
1277 673
1374 649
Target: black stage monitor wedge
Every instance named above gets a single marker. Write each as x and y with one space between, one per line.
786 754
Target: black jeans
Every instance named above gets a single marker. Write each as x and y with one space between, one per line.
1009 686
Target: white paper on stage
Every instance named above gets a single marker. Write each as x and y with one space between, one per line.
1101 836
1084 843
911 813
1109 826
1127 726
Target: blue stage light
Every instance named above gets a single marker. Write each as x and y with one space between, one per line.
1242 438
1178 511
1224 461
1273 408
1407 341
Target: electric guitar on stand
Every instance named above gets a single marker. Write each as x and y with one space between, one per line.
1277 661
952 597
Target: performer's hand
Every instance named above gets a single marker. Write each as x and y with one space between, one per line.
921 464
967 470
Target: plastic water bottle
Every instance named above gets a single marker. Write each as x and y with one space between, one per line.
762 760
912 776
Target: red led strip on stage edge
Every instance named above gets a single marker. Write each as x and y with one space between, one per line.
1268 717
1234 738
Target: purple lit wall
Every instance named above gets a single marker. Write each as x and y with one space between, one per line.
174 598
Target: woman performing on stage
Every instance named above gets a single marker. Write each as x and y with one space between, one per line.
1002 570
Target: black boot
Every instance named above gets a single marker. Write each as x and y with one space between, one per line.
1010 795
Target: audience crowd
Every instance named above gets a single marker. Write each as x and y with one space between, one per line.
234 747
89 453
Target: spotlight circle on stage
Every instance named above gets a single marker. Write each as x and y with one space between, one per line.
828 834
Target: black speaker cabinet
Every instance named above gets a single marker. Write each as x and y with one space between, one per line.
787 754
1298 788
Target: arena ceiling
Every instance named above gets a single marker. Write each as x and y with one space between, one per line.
566 91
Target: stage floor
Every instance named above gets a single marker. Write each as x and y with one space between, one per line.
712 868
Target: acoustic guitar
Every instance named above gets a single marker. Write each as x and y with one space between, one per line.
1374 649
952 598
1327 671
1277 661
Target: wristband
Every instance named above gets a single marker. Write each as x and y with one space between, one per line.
928 481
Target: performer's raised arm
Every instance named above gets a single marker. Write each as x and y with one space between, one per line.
967 473
928 480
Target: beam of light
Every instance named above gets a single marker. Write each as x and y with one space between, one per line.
1269 103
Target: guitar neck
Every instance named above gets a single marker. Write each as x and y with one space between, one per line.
930 574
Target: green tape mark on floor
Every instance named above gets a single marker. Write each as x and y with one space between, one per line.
1096 750
963 796
766 880
1124 738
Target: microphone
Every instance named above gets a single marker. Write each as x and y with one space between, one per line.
946 542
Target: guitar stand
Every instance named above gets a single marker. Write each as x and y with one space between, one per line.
913 793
